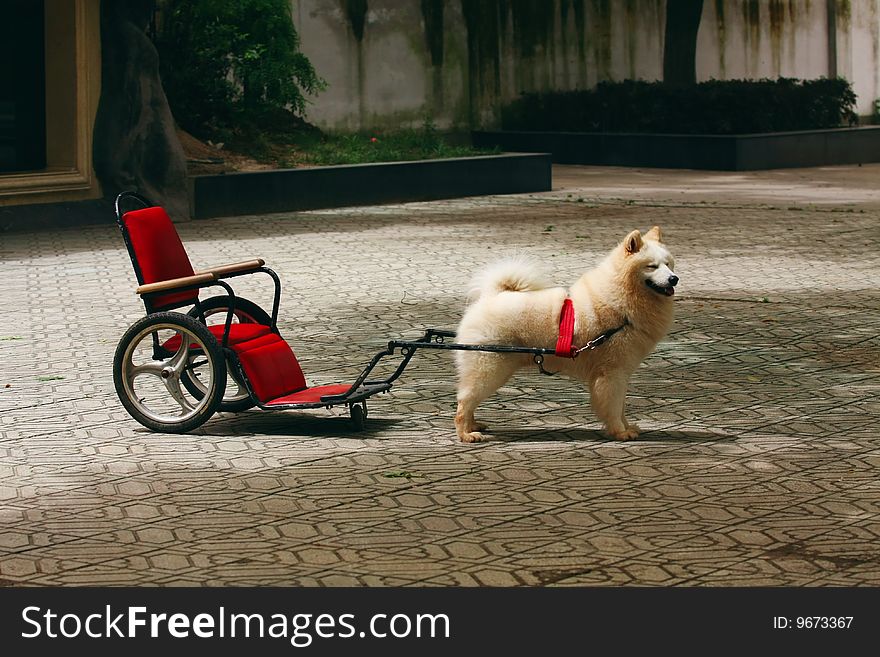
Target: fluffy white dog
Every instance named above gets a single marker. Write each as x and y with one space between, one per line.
511 303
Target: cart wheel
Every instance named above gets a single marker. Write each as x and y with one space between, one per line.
359 416
214 309
150 381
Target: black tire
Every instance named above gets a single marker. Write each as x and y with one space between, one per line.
237 398
245 310
358 414
143 397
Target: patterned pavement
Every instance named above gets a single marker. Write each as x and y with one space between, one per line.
758 465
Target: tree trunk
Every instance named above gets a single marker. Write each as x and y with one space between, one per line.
135 144
680 45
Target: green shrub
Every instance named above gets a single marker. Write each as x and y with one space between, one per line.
713 107
229 64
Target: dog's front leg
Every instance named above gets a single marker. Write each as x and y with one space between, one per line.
607 397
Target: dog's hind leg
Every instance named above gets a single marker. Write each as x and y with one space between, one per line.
480 375
607 397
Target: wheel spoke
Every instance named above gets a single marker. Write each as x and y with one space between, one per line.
172 383
240 390
178 361
154 369
194 374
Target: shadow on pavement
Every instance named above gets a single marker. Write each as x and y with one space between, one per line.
293 423
595 436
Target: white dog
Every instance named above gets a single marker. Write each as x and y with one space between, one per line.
629 293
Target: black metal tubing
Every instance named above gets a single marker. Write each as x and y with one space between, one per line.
432 339
362 389
229 291
276 280
128 245
352 396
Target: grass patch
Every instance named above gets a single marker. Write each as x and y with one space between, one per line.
394 147
401 474
302 145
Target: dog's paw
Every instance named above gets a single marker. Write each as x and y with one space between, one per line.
472 437
629 433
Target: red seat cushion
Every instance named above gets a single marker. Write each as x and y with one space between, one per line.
310 395
159 253
271 367
237 333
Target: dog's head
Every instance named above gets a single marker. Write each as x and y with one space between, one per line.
648 262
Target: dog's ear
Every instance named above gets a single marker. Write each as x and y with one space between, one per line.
654 234
633 242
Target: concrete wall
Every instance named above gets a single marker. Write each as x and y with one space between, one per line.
391 64
383 78
740 39
863 55
771 38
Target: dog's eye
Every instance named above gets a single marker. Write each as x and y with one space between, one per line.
653 266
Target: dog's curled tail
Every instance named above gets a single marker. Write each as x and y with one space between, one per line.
513 274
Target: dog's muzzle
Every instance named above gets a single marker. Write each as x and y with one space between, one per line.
667 290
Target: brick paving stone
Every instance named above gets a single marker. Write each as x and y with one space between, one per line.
762 431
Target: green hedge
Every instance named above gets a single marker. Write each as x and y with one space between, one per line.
713 107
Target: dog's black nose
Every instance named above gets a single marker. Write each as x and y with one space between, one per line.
673 280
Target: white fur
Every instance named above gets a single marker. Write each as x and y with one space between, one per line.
512 303
517 272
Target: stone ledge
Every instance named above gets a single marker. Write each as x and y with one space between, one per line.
285 190
775 150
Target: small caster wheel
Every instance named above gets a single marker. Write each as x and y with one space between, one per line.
358 417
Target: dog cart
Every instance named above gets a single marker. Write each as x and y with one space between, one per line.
173 370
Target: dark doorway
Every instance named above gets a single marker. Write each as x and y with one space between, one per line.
22 86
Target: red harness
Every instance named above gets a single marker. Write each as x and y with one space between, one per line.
564 347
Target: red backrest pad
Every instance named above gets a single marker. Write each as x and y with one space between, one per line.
271 367
159 252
